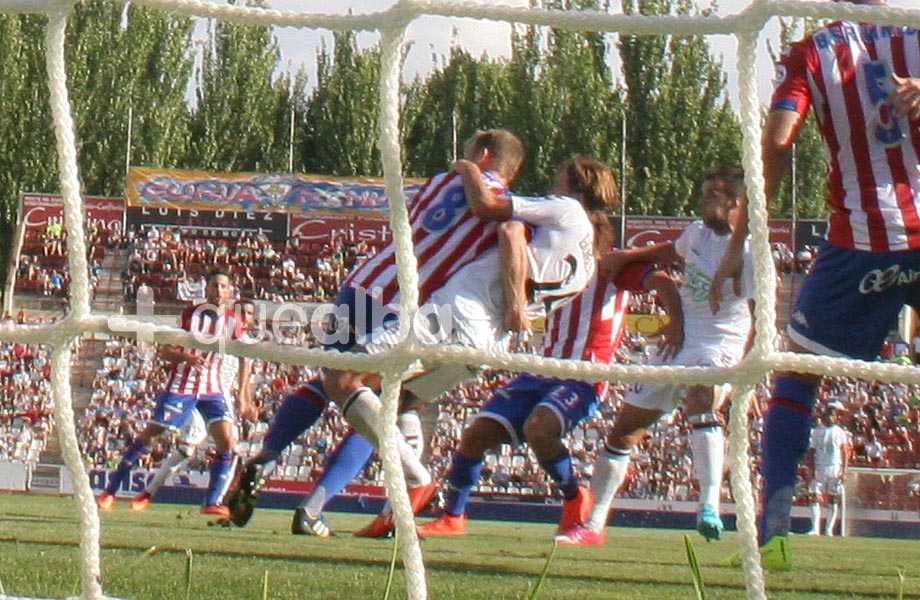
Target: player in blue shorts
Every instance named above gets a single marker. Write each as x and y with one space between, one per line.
541 410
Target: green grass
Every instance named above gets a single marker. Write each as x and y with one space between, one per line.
39 557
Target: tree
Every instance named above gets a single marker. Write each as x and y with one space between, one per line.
675 94
241 119
342 112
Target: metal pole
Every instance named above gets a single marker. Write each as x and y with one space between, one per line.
128 144
291 144
622 241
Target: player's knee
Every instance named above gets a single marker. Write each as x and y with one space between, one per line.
542 427
481 435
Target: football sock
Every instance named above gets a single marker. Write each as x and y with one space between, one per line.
560 470
297 413
172 463
831 520
816 517
609 473
221 476
707 444
463 475
785 439
341 468
133 454
361 411
410 425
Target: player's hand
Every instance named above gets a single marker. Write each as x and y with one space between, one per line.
905 99
516 319
730 268
672 339
249 411
465 167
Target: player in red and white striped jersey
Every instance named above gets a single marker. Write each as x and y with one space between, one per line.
541 410
195 384
863 81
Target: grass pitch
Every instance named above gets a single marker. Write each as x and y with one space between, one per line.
39 556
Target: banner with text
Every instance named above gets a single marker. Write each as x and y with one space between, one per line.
244 192
36 209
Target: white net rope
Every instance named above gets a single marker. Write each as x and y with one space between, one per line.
391 24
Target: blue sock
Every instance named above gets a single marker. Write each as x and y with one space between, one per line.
464 473
787 426
559 469
297 413
342 467
133 454
221 474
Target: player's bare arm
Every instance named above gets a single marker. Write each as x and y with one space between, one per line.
672 334
177 354
512 253
482 201
614 260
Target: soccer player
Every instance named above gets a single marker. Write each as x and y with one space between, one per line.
195 431
564 229
709 341
541 409
448 233
195 383
858 77
829 448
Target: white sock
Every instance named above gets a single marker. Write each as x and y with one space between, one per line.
361 412
173 462
831 520
609 473
816 517
410 425
708 447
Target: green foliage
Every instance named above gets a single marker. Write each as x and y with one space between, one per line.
675 96
342 112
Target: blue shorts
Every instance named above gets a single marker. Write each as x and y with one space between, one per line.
356 315
850 300
573 401
173 410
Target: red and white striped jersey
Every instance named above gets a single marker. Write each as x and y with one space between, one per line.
202 320
591 326
844 69
445 233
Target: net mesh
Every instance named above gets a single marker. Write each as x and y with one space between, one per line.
391 23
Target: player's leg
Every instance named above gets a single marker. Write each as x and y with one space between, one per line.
610 472
220 428
298 412
170 413
342 466
466 466
193 433
832 501
815 492
707 444
562 407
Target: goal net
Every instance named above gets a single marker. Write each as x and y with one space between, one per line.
391 25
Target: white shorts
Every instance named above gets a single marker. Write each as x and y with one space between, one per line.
827 480
666 397
194 431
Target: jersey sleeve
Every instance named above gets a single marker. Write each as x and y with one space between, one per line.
791 90
682 243
631 276
185 318
540 211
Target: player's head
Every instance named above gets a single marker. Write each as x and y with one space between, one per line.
592 182
496 150
247 310
723 189
218 290
835 411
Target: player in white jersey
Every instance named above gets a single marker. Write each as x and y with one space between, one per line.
195 384
829 449
709 340
541 410
195 431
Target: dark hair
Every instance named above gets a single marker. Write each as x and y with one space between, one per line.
218 273
594 182
731 176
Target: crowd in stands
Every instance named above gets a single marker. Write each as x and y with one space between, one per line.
26 409
883 419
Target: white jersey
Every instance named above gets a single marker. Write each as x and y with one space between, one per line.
828 442
560 254
702 250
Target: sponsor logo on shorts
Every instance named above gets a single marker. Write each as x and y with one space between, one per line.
877 281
